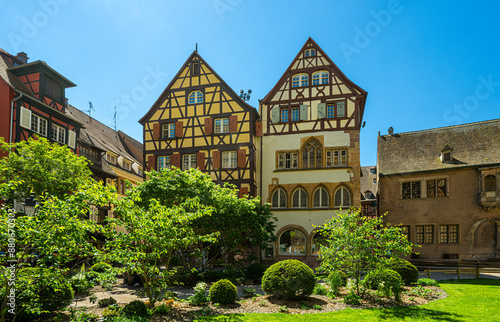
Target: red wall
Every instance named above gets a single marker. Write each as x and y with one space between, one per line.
6 95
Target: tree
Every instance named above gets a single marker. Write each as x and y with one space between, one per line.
152 235
240 222
356 243
39 167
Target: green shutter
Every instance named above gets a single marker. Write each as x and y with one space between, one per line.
321 110
304 113
275 115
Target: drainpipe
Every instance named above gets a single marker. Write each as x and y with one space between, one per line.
12 113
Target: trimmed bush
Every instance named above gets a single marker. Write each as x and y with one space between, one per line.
386 280
101 267
223 292
40 291
320 289
289 279
256 270
336 279
408 271
427 282
106 302
135 308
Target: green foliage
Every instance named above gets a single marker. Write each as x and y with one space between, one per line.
386 280
357 243
256 270
336 279
427 282
408 271
80 284
135 308
41 291
320 289
200 295
223 292
162 309
101 267
235 275
420 292
289 279
82 316
238 221
106 302
249 292
111 313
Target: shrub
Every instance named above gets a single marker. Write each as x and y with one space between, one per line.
249 292
235 275
223 292
319 289
111 313
162 309
101 267
427 282
213 276
200 295
106 302
80 284
135 308
41 290
289 279
385 279
255 270
336 279
351 298
408 271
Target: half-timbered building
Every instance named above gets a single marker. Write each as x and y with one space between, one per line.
200 122
310 150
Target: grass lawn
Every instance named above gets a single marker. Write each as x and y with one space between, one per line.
468 300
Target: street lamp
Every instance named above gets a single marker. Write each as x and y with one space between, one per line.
30 206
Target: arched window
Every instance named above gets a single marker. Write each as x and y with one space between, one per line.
279 199
317 240
300 80
490 183
320 198
311 154
299 198
320 77
195 97
342 197
292 242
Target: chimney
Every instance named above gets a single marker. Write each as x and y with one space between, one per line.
22 56
391 131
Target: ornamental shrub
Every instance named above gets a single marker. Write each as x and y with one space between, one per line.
135 308
255 270
289 279
200 295
336 279
223 292
408 271
40 291
427 282
101 267
386 279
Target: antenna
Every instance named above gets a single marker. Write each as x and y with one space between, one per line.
114 116
91 107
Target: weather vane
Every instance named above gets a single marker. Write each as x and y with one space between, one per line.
245 96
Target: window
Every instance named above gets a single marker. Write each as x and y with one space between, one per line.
425 234
300 80
164 162
111 158
168 130
311 155
229 159
310 52
90 153
38 125
284 115
490 183
58 133
222 125
320 198
188 161
288 160
279 199
317 241
195 97
335 110
295 114
342 197
410 190
292 242
195 68
436 188
336 158
448 234
446 155
320 78
140 171
126 165
299 198
405 230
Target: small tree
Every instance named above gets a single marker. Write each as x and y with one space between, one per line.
356 243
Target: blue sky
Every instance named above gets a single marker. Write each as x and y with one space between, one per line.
423 63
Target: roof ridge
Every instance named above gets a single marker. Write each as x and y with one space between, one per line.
444 127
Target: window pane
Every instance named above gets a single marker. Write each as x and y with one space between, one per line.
295 114
324 78
330 111
415 190
340 109
431 189
405 187
305 80
284 115
295 81
441 188
295 160
315 79
490 183
317 198
292 242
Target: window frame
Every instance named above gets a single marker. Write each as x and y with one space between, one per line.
195 97
221 125
169 130
303 237
164 162
342 189
306 151
320 78
36 125
302 195
424 236
445 235
337 161
287 157
300 80
60 133
411 193
191 159
318 190
229 159
493 183
311 52
280 191
434 186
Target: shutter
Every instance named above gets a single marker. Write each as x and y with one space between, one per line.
72 139
178 129
321 110
258 128
304 113
233 123
275 115
93 213
242 158
216 159
341 109
243 191
25 118
151 162
156 131
110 213
209 125
176 160
200 160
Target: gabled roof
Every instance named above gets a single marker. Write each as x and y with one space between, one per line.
164 94
474 144
38 66
310 42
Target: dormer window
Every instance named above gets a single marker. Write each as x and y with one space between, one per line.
111 158
490 183
126 165
446 154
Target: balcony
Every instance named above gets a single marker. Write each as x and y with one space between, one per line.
489 199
